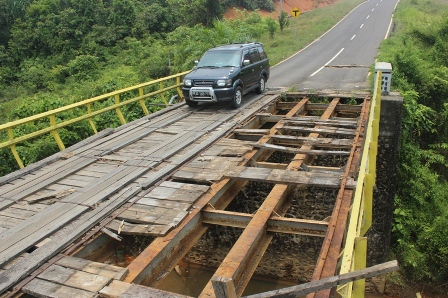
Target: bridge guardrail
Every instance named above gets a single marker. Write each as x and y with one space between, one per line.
54 125
355 249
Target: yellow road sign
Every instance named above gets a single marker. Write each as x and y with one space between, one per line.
295 12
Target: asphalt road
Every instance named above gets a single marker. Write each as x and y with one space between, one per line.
339 59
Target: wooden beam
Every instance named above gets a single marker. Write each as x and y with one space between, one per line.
274 225
314 178
298 151
243 258
224 287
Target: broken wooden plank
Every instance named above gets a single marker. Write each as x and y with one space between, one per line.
127 228
57 195
141 214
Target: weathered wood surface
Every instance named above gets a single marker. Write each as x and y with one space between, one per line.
319 142
138 229
299 151
63 237
323 130
58 209
106 270
119 289
43 288
271 175
86 192
73 277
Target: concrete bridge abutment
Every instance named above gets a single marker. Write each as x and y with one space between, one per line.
379 235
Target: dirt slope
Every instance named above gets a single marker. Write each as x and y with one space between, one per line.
288 6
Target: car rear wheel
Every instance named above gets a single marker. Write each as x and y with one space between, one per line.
237 97
190 103
260 89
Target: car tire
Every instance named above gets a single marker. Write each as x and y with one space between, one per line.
260 89
237 97
190 103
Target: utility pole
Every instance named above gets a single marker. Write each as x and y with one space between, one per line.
281 6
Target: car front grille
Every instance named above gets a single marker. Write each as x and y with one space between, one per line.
203 83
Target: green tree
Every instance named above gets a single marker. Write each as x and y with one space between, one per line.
283 20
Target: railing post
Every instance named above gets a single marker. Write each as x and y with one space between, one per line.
161 94
13 148
179 91
119 114
142 101
359 286
55 133
369 182
92 125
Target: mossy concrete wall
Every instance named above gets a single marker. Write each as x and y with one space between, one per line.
379 235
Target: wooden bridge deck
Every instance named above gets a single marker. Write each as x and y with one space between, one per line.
148 177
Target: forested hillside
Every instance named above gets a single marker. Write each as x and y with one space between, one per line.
44 42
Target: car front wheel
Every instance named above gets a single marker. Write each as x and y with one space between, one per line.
237 97
260 89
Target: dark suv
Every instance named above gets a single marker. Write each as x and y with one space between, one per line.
226 73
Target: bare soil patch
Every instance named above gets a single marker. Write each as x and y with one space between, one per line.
287 6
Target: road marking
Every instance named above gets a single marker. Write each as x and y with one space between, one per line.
373 9
353 37
334 57
361 26
367 17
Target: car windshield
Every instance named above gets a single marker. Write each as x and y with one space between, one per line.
220 59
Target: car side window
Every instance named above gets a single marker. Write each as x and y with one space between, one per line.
247 56
254 55
262 52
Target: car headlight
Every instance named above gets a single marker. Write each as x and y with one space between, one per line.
187 82
222 83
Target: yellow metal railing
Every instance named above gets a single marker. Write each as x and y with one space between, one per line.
174 82
354 254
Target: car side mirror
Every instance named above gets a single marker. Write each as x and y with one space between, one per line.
246 62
